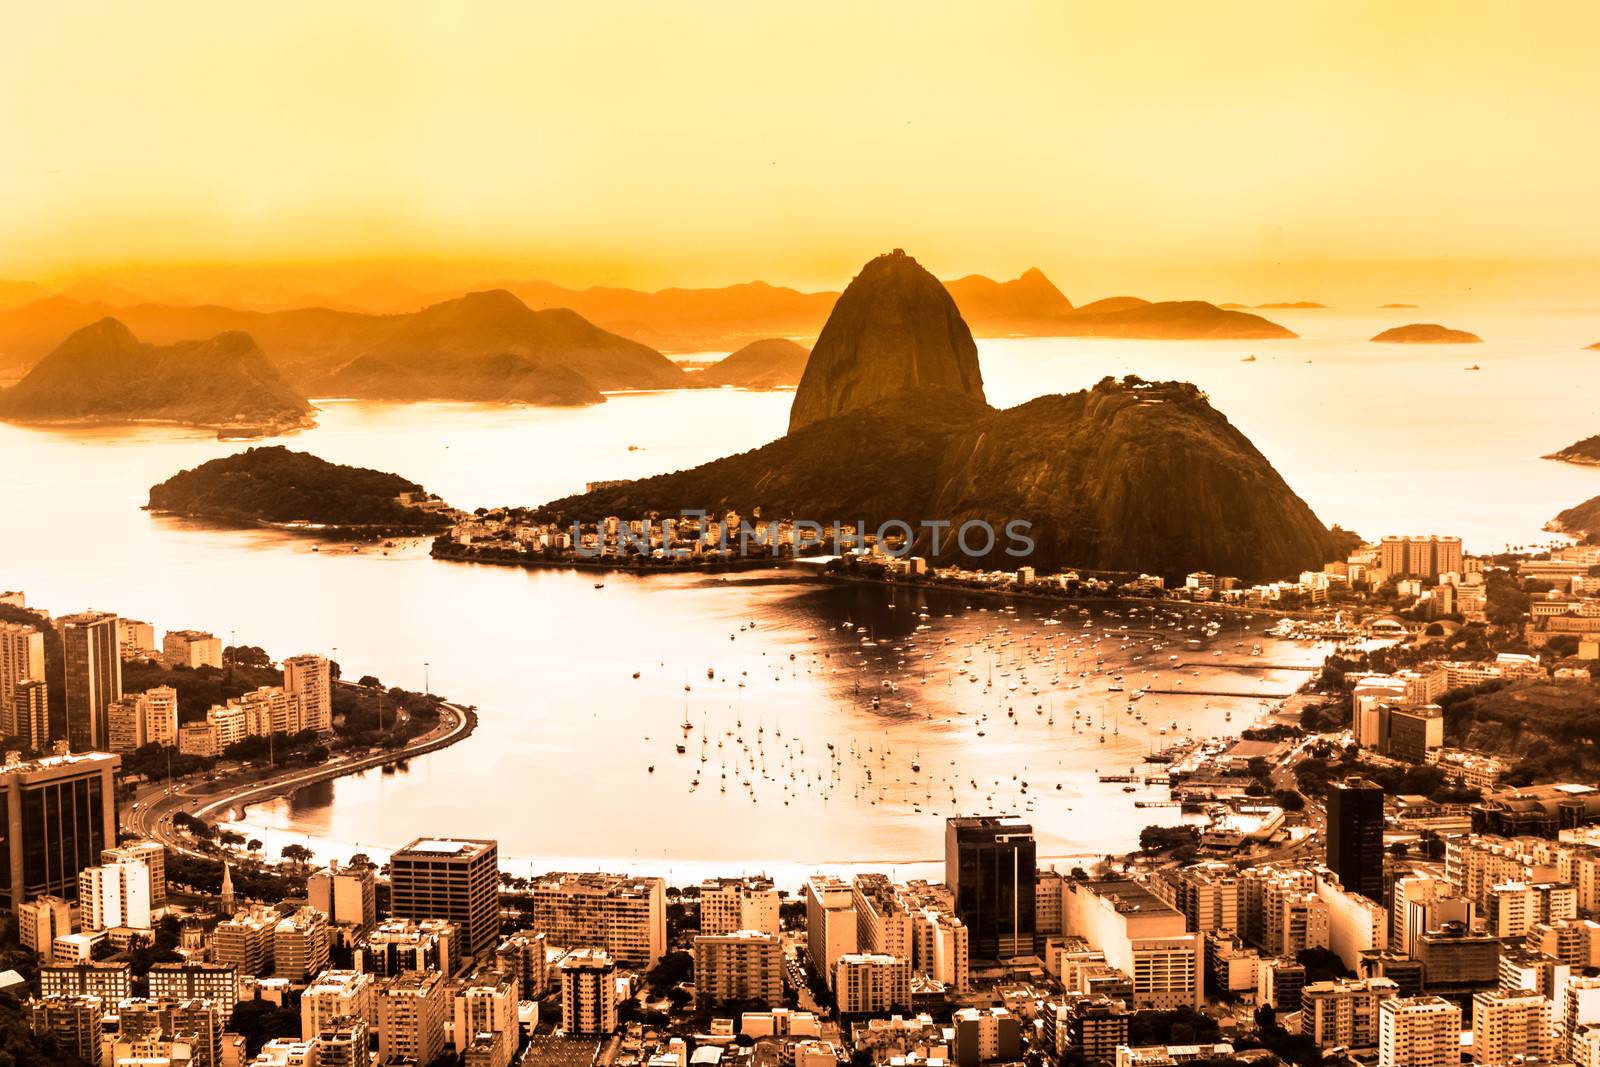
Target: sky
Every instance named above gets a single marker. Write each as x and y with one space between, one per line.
1229 151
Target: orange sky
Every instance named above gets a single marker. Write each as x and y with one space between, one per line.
1231 151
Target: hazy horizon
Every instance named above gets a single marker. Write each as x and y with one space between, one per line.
1352 154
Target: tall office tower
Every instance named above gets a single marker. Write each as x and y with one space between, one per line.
310 678
458 880
57 814
1355 836
989 867
1419 1032
21 660
588 993
348 896
412 1009
30 704
93 677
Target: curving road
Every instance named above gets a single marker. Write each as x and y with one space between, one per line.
153 808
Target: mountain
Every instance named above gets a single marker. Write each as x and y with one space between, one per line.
889 423
103 372
1594 347
15 294
1585 452
457 349
1427 333
894 329
1169 320
771 364
1582 520
276 485
1025 304
1114 303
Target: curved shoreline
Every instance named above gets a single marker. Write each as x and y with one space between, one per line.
152 812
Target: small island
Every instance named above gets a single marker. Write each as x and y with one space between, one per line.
1427 333
1593 348
1585 452
776 363
298 491
1397 305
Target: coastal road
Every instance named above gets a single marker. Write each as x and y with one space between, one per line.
152 812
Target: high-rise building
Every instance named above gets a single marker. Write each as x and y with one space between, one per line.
1140 936
872 983
160 707
883 919
125 724
58 813
348 896
989 865
731 904
136 639
1419 556
485 1022
197 980
300 944
412 1009
75 1022
337 995
396 945
1344 1011
588 993
21 660
525 957
191 649
40 921
30 708
310 678
113 895
458 880
93 676
1419 1032
1506 1024
626 916
245 941
745 965
1355 836
109 981
154 856
832 929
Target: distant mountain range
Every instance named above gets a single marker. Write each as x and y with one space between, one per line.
890 422
311 344
102 372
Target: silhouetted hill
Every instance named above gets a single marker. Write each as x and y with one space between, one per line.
1171 320
1585 452
1426 333
894 329
771 364
1397 305
279 486
103 372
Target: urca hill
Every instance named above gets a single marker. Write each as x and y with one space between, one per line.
890 422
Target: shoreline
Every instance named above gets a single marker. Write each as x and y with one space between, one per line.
153 809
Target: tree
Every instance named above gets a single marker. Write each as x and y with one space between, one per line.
297 853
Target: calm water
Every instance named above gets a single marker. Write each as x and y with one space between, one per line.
1377 438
